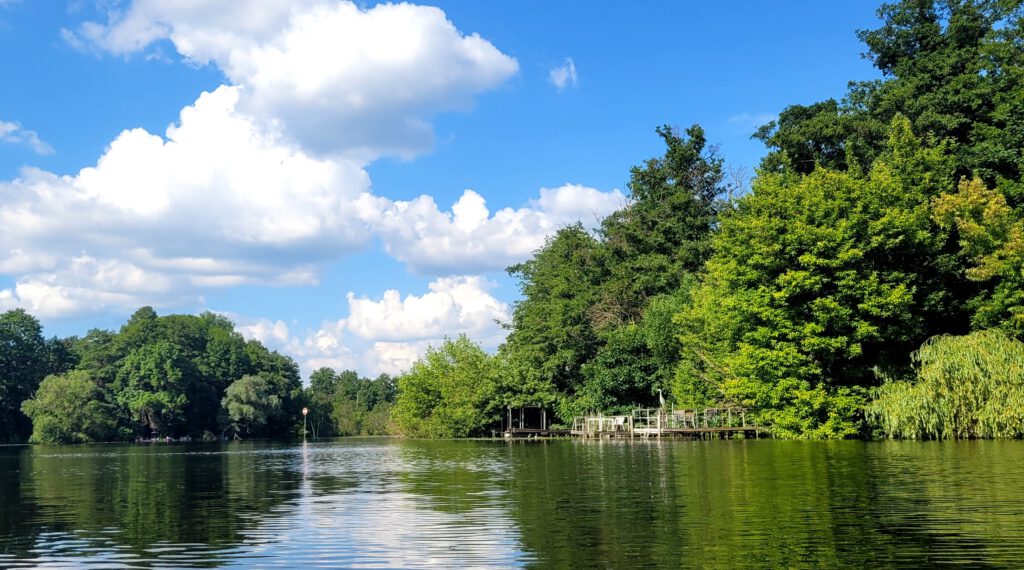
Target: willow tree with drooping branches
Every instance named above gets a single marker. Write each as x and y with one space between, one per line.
969 386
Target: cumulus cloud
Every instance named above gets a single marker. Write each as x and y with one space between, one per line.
453 305
388 334
216 202
564 76
263 180
335 77
85 283
323 347
468 238
13 132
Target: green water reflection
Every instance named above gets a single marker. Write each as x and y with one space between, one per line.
548 504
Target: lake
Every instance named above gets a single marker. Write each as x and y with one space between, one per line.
545 504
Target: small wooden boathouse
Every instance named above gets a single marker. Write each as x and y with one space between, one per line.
529 421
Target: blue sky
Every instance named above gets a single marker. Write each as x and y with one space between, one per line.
355 177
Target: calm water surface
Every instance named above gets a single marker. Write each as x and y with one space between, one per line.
547 504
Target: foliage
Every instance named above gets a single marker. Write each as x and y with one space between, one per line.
619 376
251 403
593 330
964 387
552 334
24 361
449 392
664 233
70 409
991 237
817 281
953 67
319 395
156 375
350 404
152 384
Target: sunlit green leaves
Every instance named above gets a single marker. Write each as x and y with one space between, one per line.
449 392
964 387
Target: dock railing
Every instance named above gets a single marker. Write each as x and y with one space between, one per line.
657 422
602 425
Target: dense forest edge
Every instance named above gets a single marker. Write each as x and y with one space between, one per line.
869 283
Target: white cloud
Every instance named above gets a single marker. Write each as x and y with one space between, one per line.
264 181
393 358
564 76
85 283
216 203
219 203
468 238
335 77
454 305
388 334
260 181
13 132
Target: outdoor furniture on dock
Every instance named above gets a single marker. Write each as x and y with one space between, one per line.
661 422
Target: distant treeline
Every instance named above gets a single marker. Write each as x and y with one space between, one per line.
172 376
870 282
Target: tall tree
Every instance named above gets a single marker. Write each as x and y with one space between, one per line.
252 403
552 334
70 408
953 67
153 385
323 384
817 282
24 362
664 233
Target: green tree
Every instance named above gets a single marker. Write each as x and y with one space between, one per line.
449 392
622 374
283 373
964 387
252 402
953 67
991 238
552 334
152 384
377 421
24 362
70 409
323 384
817 282
664 233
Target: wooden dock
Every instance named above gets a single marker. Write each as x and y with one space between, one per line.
536 432
662 422
707 423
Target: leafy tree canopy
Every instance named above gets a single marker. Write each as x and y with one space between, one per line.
70 408
449 392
